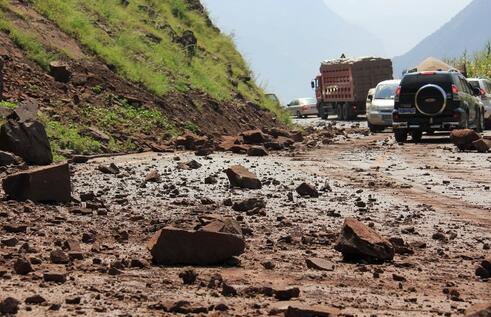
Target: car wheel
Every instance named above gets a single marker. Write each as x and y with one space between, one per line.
480 122
299 115
400 135
375 128
487 124
416 135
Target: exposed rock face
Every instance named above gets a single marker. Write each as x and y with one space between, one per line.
359 242
171 246
28 140
42 184
464 138
241 177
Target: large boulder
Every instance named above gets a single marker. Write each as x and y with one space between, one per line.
254 137
463 138
42 184
359 242
59 70
305 189
224 225
239 176
191 141
299 310
480 310
171 246
482 145
7 158
27 139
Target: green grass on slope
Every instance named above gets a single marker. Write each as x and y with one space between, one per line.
123 37
34 50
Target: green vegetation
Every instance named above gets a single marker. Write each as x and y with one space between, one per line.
33 48
8 105
126 117
67 136
190 126
139 40
478 65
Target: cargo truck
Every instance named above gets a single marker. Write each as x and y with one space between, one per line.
343 84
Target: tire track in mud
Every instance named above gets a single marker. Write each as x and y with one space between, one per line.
345 159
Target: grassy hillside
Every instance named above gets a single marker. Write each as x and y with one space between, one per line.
143 41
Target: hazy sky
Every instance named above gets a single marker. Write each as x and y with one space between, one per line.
392 20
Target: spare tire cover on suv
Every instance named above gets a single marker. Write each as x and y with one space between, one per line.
431 100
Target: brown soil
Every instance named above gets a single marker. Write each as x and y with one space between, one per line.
411 191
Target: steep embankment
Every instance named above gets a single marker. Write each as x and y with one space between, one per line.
142 71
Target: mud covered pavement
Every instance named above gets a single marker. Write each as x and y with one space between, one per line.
430 201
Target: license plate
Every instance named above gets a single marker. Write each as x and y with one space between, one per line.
407 110
387 117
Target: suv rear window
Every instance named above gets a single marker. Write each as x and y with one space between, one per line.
412 83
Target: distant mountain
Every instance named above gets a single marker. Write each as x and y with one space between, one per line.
285 40
469 30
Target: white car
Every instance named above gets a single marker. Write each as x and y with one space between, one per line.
380 105
302 107
485 86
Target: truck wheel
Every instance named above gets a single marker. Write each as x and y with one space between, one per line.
416 135
347 112
400 135
339 112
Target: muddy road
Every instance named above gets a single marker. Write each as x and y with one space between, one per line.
435 198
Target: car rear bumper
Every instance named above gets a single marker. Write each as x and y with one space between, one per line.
380 118
443 126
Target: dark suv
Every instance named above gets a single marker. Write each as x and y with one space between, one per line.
435 101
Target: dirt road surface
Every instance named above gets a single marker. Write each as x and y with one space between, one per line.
436 199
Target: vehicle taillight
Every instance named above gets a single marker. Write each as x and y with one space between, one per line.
455 90
395 117
483 92
428 73
398 94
